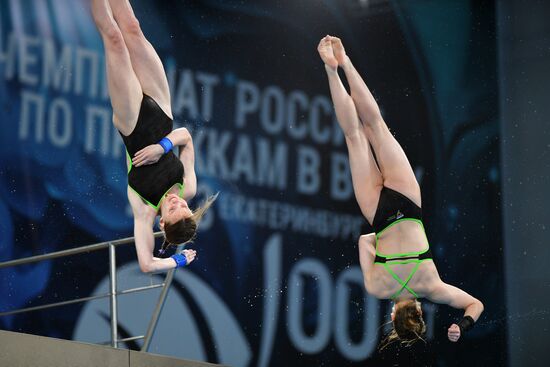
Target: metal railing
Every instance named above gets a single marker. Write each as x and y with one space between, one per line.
113 293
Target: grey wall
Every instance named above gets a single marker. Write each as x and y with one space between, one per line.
524 62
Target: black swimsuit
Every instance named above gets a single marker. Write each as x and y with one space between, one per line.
394 207
152 182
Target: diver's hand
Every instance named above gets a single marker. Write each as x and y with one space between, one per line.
189 255
453 333
148 155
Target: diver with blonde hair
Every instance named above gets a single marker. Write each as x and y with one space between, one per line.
159 182
396 259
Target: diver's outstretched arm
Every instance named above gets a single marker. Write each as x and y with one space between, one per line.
455 297
187 158
152 153
179 137
144 218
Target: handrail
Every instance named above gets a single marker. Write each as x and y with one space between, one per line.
71 251
112 296
158 309
79 300
113 292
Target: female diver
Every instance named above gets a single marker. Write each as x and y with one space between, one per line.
159 184
396 260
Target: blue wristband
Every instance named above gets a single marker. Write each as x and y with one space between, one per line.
180 259
166 144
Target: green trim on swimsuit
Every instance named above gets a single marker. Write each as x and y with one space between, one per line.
156 207
129 160
404 262
403 283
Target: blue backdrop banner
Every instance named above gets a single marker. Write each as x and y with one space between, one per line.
277 281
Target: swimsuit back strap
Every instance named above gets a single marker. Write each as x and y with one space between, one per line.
404 284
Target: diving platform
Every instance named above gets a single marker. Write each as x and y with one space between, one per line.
25 350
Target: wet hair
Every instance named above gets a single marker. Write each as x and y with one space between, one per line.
408 325
185 230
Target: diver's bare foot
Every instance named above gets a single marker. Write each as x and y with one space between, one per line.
326 53
338 49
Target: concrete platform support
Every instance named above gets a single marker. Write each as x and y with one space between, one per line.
24 350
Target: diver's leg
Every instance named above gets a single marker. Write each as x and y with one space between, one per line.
145 60
366 177
124 88
396 170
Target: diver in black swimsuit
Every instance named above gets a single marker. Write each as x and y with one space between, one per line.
159 182
396 259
